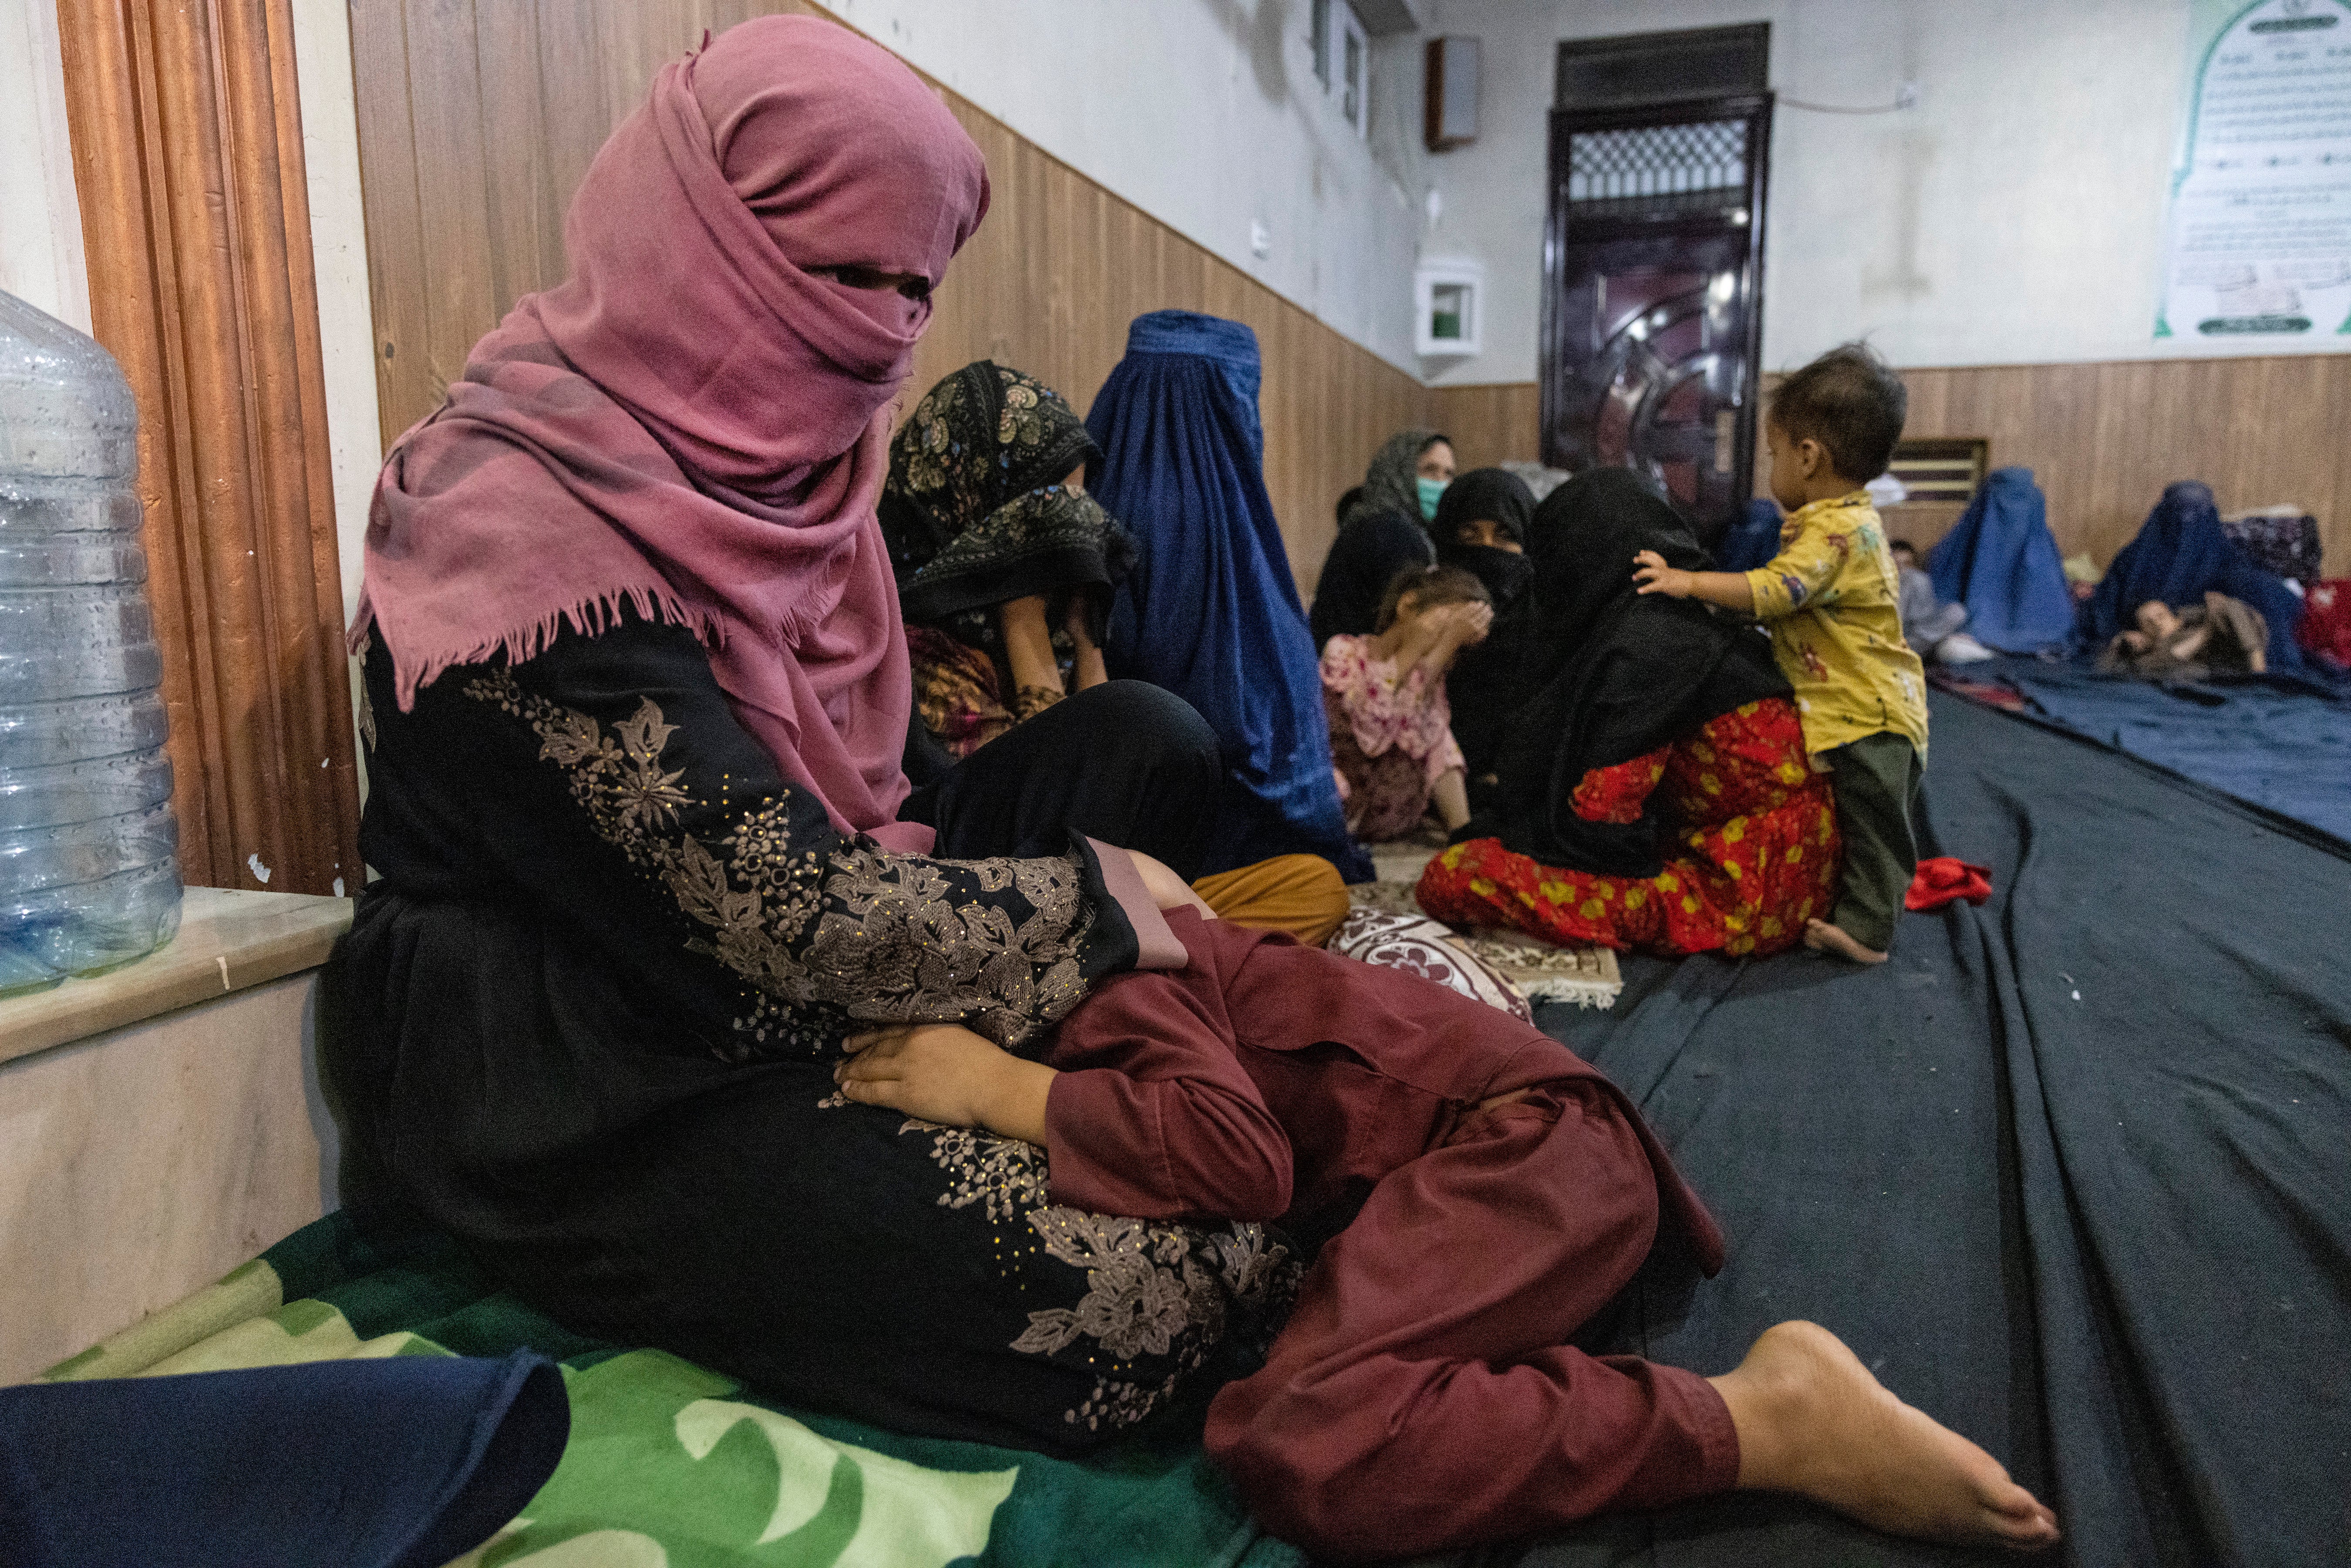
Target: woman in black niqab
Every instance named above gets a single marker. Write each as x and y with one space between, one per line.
1364 559
1608 674
1481 525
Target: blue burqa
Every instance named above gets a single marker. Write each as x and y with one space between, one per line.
400 1463
2000 561
1753 540
2180 554
1210 611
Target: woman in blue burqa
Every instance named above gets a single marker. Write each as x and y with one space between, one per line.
1210 610
2000 561
2179 556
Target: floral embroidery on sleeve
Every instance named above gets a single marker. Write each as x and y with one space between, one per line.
882 938
1160 1294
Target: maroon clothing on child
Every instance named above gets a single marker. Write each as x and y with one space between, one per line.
1423 1396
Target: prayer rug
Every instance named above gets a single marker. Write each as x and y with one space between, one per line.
1538 971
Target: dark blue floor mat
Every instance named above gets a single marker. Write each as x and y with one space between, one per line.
2284 744
2070 1171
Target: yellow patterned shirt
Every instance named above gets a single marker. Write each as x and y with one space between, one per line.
1831 598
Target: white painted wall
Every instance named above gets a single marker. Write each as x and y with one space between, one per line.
1206 115
330 166
40 221
330 160
2014 217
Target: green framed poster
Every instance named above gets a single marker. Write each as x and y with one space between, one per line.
2258 248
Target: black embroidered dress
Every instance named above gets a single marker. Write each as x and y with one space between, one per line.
586 1022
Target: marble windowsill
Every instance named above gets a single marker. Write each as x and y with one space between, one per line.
228 940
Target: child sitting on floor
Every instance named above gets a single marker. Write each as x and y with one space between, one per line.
1423 1396
1832 601
1928 625
1392 747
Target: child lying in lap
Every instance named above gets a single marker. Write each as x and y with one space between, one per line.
1424 1397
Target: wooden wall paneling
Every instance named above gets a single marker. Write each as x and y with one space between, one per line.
479 117
390 204
523 247
446 114
187 153
2103 439
573 121
1497 422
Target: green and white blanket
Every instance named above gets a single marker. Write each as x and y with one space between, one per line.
671 1466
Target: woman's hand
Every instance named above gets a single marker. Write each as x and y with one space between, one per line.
944 1072
1654 576
1029 646
1167 889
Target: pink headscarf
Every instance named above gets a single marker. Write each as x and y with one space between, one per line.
693 423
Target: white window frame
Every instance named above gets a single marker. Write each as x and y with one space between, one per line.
1319 38
1449 273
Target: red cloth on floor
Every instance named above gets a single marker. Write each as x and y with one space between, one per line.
1422 1396
1944 879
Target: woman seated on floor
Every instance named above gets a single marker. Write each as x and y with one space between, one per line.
637 696
1005 565
1653 791
637 700
2179 555
1406 477
1005 570
1364 559
1211 610
1481 525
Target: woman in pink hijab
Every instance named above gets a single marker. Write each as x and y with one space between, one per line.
637 700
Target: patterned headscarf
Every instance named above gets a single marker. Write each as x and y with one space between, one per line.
1389 482
975 511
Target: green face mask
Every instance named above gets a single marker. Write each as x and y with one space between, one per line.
1430 490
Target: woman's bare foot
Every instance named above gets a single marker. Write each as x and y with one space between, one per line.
1822 938
1812 1421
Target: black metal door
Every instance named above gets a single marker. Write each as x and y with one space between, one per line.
1653 271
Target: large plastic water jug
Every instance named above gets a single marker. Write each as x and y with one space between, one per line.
90 877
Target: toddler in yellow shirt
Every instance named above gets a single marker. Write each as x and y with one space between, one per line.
1832 600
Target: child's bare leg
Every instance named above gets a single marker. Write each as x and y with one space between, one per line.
1812 1421
1822 938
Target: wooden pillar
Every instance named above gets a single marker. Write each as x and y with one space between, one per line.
187 151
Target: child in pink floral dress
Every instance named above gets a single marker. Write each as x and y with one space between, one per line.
1392 743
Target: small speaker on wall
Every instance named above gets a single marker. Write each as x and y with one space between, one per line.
1450 93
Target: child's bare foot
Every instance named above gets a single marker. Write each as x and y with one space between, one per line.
1822 938
1812 1421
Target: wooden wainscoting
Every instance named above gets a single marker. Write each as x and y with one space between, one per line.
1500 422
2104 438
477 118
